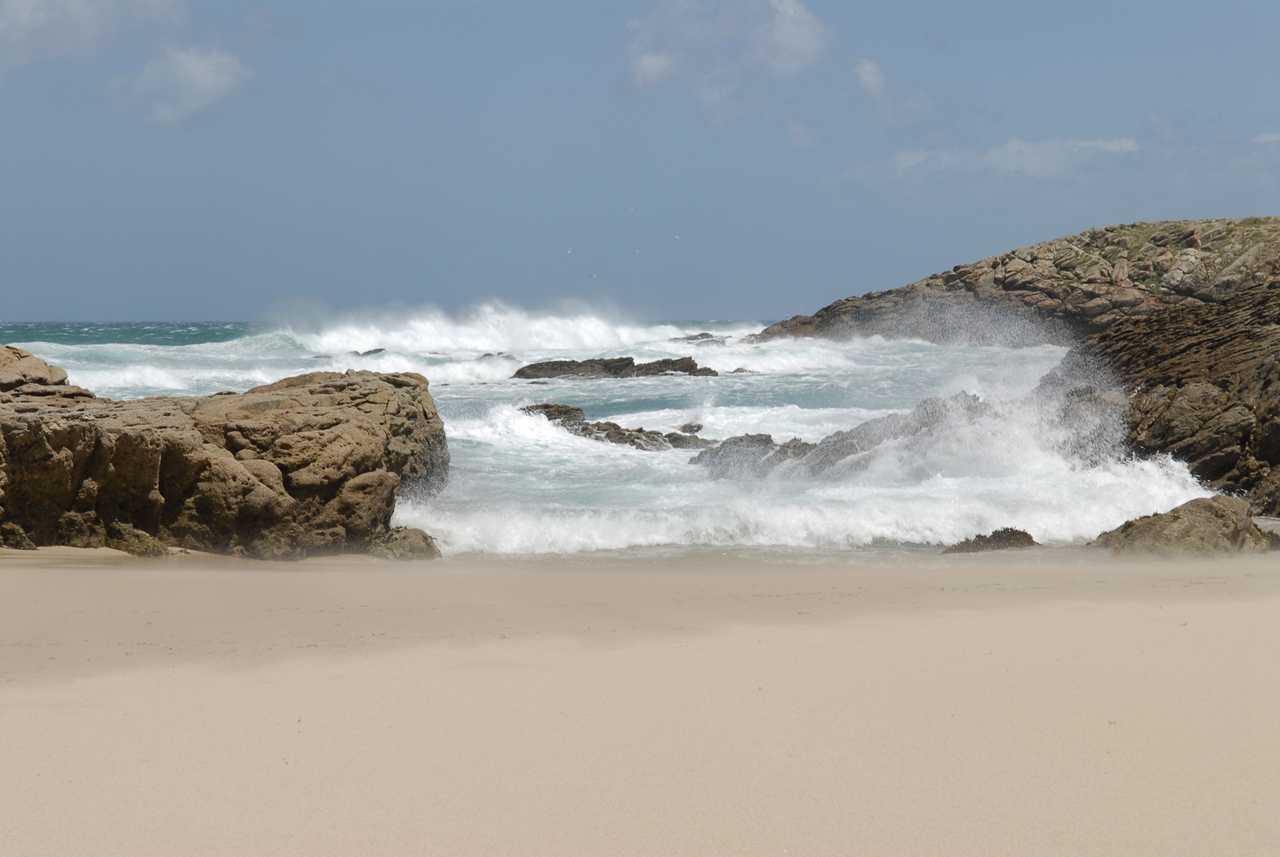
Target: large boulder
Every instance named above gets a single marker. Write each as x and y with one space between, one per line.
19 368
1208 525
307 465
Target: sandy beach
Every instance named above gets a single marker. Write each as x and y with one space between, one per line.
1041 703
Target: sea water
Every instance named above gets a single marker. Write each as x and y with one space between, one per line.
521 485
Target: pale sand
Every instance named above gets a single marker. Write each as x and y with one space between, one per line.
1039 704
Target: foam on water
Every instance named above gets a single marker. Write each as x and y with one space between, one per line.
521 485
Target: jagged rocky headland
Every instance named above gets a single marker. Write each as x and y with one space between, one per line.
1182 317
307 465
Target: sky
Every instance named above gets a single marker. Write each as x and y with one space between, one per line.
672 159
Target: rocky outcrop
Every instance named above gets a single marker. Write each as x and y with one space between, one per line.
756 455
1006 538
307 465
611 367
1204 385
574 420
1062 289
1208 525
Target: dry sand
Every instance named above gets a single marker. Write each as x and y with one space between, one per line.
1035 704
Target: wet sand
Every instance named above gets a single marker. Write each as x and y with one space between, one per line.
1040 703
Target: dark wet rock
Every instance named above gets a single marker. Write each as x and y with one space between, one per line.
1062 289
702 339
306 465
1005 538
14 537
690 428
557 413
574 420
611 367
131 540
1209 525
759 454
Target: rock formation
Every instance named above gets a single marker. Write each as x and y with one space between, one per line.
611 367
1006 538
1209 525
1182 317
1061 289
307 465
1205 385
574 420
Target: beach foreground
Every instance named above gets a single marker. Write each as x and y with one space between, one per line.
1041 703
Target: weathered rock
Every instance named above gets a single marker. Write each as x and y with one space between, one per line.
307 465
18 368
557 413
1205 388
1006 538
690 428
404 543
131 540
1208 525
1062 289
574 420
611 367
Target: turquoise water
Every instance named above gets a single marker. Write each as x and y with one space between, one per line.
523 486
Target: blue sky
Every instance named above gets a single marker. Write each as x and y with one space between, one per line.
188 159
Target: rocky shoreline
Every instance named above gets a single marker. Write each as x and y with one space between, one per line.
307 465
1180 318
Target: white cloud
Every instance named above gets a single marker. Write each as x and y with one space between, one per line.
187 80
33 30
719 45
793 39
1266 140
1016 157
649 67
870 77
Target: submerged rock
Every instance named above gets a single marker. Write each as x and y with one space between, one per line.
1005 538
611 367
310 464
1208 525
703 338
574 420
756 455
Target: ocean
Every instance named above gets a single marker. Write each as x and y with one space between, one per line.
522 486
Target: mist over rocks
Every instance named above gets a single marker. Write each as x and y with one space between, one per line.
307 465
1178 320
612 367
757 455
